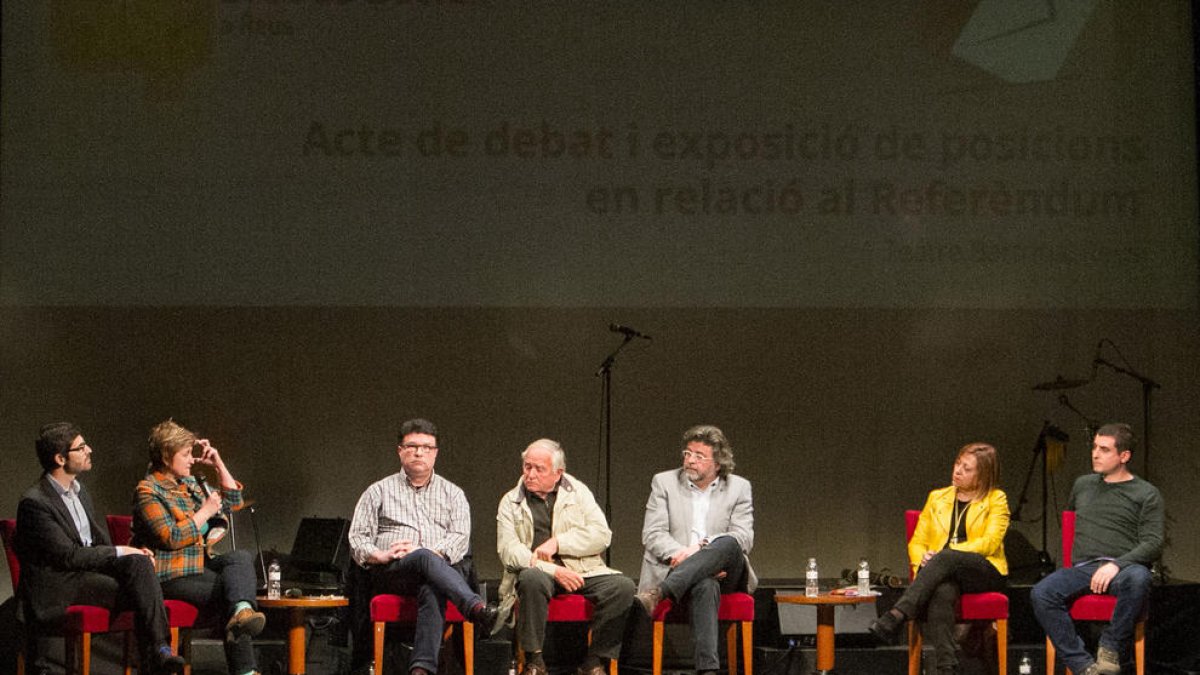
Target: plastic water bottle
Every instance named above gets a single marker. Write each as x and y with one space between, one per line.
864 577
512 667
812 587
274 581
1026 667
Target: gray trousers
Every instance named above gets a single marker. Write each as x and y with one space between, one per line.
693 582
612 595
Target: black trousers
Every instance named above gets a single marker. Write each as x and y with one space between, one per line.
934 593
126 583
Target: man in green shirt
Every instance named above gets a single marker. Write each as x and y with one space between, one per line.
1118 535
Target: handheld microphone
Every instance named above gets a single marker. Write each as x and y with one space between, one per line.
218 525
627 331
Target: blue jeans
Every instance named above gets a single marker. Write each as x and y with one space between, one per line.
433 580
225 581
1052 598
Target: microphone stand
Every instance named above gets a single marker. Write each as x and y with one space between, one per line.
262 564
1148 386
1045 561
605 375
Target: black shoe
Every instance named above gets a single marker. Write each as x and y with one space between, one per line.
166 662
484 618
887 626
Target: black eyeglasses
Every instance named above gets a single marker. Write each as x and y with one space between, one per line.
80 448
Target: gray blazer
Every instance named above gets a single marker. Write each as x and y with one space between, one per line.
668 522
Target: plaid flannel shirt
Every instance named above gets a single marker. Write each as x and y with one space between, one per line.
162 522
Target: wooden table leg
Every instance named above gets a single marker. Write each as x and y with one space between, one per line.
825 637
295 641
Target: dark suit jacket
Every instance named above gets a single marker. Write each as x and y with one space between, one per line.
55 565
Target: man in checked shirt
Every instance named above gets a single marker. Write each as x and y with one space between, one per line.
410 533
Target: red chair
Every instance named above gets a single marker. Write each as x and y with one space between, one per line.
737 609
82 621
566 608
1093 607
181 616
990 606
388 608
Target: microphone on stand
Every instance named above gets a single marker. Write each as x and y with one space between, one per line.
262 564
627 331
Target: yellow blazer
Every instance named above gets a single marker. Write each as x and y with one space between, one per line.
987 521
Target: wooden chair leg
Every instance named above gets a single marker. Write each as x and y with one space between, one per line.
520 652
181 642
1002 645
1139 647
85 653
21 658
380 632
731 647
656 661
127 655
1049 657
748 647
468 636
914 648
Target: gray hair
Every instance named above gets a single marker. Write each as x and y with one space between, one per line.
714 438
558 456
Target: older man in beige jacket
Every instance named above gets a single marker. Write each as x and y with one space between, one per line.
551 536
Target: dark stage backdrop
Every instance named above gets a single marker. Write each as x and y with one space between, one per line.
858 232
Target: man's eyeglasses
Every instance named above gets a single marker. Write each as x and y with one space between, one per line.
688 454
425 449
80 448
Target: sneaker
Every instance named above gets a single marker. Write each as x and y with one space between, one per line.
246 622
1093 669
649 600
1108 661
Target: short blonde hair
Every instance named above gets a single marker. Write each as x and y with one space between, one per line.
166 439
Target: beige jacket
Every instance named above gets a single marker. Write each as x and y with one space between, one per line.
579 526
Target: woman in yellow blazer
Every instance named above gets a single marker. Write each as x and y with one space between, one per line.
957 547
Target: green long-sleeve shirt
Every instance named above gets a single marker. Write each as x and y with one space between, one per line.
1122 521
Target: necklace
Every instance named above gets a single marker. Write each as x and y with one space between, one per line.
960 512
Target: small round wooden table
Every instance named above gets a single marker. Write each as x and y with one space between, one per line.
825 605
296 607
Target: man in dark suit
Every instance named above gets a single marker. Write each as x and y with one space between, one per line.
68 558
698 532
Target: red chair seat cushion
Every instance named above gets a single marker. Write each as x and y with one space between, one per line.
733 607
1093 608
983 606
93 619
567 607
181 614
403 609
